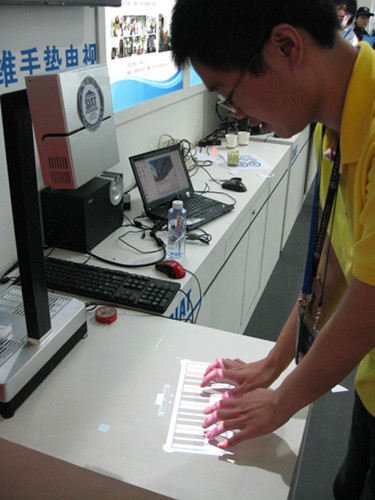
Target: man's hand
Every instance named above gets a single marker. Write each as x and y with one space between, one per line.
244 376
253 414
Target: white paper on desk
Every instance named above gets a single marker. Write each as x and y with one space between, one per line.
249 162
246 162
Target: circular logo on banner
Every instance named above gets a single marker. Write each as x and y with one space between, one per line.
90 103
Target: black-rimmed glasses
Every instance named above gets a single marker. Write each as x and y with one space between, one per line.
227 102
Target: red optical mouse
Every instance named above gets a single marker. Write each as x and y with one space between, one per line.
171 268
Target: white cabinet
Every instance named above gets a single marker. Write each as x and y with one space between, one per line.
254 259
222 304
252 248
231 297
298 169
236 272
274 228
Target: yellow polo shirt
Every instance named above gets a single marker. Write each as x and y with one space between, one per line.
354 225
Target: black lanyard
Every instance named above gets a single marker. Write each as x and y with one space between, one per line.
318 231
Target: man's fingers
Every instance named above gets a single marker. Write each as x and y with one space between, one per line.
237 438
218 411
212 376
218 363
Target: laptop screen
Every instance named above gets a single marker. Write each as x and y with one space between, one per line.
161 175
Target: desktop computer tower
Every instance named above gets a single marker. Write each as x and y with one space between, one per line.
79 219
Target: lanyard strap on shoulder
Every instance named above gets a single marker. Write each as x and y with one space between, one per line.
317 235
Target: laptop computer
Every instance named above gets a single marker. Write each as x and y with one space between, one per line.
162 177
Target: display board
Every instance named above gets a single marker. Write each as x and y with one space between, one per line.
137 52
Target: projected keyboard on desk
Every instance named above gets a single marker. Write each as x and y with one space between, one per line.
110 286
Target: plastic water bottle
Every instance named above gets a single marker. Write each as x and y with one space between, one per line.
176 230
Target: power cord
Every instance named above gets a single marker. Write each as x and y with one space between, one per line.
4 279
130 266
194 317
204 237
200 297
193 321
159 242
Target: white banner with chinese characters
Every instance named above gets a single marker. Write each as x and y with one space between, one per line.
44 39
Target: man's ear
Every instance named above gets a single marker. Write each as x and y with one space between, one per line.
288 43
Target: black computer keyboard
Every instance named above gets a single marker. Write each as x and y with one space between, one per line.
109 285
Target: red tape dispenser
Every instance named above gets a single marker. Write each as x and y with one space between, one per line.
106 314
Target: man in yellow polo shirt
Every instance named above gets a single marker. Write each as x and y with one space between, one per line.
284 65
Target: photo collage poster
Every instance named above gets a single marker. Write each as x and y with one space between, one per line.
138 52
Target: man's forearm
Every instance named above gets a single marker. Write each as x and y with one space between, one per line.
283 351
334 288
346 338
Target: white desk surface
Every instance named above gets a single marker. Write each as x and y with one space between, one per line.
91 430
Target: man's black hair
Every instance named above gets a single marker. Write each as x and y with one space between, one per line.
351 6
226 34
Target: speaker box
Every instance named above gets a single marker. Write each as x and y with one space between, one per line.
79 219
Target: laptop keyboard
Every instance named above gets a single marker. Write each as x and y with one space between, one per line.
194 206
198 203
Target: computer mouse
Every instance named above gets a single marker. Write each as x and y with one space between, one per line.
234 184
171 268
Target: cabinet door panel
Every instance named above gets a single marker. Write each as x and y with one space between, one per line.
274 230
222 304
254 261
